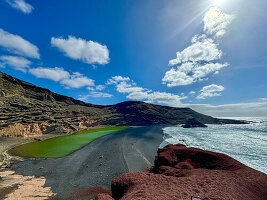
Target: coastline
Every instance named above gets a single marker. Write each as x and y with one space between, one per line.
97 163
124 159
244 142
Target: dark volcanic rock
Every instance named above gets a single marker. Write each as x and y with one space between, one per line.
28 110
192 123
181 173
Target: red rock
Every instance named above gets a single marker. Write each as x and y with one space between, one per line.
103 197
180 157
183 173
94 193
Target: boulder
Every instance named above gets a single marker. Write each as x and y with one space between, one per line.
192 123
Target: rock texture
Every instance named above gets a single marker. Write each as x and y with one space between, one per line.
181 173
89 193
192 123
27 130
27 110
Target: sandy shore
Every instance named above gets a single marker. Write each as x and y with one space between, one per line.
16 186
96 164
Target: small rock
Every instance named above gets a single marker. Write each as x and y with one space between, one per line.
192 123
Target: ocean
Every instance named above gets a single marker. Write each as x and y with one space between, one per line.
246 143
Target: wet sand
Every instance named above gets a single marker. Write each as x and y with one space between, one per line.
97 163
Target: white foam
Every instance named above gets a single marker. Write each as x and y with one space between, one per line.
244 142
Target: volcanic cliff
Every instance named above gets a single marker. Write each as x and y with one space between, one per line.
27 110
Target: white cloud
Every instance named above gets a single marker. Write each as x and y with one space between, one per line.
56 74
157 97
100 94
190 72
165 98
138 96
18 45
117 79
216 22
192 92
126 86
79 49
100 87
94 94
97 87
251 109
200 59
91 88
18 63
75 80
201 50
210 91
21 5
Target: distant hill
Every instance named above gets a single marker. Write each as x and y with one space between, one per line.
29 110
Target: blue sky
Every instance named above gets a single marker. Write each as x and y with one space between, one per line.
209 55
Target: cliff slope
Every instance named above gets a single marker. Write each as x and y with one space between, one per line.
28 110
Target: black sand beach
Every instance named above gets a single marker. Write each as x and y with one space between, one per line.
99 162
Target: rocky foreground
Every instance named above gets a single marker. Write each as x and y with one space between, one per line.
182 173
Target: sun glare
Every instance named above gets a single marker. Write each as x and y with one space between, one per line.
218 2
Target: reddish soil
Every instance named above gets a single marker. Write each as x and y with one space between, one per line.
183 173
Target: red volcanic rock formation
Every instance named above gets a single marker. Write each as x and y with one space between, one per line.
94 193
183 173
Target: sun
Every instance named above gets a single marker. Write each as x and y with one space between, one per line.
218 2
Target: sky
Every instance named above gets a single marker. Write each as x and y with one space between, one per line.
209 55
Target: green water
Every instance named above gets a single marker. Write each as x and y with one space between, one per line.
63 145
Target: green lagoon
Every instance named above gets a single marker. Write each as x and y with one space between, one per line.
63 145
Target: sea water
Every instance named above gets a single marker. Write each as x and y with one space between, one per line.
246 143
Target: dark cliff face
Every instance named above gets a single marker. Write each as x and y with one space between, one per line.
24 103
